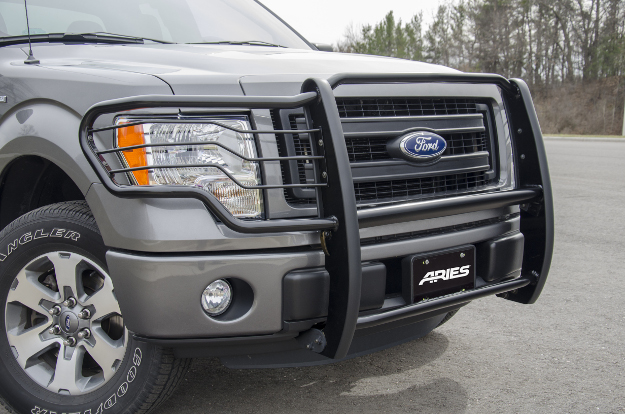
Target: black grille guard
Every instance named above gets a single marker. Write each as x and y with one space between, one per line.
338 218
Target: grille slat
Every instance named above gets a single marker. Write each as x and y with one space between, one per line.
398 190
302 147
301 143
379 107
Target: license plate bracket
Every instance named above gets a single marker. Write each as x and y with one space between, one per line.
434 274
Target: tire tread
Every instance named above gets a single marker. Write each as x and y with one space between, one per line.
76 211
166 374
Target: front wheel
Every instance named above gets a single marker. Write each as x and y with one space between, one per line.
63 341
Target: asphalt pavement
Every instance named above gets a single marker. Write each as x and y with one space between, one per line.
565 354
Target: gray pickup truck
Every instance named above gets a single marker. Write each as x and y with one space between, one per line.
192 178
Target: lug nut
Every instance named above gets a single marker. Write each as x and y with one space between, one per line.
70 302
84 334
84 314
71 341
55 310
55 330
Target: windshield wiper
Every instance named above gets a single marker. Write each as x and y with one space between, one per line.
121 36
236 42
76 38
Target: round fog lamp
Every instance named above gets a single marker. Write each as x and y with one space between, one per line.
217 297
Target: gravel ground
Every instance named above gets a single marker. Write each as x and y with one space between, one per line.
564 354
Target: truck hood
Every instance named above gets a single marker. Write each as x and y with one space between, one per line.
221 69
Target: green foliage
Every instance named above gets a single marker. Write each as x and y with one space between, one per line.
546 42
387 38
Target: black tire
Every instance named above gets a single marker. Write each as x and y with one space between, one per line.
145 377
447 317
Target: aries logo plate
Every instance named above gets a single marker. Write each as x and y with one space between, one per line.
422 146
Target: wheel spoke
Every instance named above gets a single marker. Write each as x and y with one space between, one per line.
65 270
28 343
35 347
106 352
67 373
104 301
29 292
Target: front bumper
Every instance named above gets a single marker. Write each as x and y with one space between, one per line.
160 295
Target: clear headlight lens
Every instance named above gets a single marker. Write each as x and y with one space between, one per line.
239 201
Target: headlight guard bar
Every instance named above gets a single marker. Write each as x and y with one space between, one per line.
107 174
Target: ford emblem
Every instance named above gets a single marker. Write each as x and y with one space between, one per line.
68 323
422 146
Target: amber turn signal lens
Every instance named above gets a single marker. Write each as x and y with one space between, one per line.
127 137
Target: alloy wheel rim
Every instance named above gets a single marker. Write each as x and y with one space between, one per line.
64 325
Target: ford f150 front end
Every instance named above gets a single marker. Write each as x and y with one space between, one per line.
175 193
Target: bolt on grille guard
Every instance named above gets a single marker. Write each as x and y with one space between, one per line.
338 219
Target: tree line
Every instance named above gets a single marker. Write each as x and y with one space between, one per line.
563 48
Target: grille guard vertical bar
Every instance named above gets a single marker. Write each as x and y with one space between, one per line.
337 199
537 217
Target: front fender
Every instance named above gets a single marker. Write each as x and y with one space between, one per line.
49 130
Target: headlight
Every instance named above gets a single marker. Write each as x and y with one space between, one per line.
239 201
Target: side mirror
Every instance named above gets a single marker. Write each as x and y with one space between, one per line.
324 47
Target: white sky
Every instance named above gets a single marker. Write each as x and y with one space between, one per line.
325 21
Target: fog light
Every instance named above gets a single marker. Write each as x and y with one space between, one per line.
217 297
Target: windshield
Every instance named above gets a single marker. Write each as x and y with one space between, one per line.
178 21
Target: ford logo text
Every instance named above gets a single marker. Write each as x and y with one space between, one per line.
68 323
423 146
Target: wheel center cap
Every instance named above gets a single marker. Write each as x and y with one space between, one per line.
69 322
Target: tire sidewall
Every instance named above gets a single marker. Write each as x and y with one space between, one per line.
18 246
